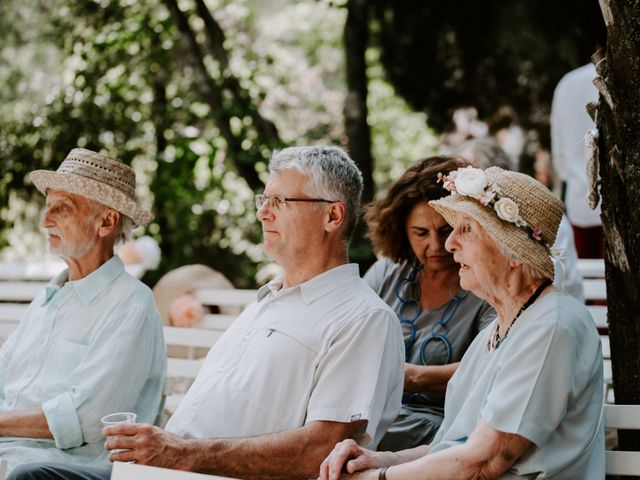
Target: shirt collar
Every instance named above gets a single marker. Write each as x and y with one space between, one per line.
87 288
317 286
55 285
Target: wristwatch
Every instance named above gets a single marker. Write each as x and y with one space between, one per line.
382 475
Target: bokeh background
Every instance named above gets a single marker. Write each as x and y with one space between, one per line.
196 94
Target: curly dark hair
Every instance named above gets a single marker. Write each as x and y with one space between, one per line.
386 217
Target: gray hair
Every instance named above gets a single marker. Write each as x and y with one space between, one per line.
331 174
125 229
125 225
484 153
527 269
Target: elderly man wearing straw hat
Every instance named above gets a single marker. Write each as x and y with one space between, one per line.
91 343
318 358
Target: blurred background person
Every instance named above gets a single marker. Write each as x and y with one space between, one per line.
419 279
139 255
569 125
173 294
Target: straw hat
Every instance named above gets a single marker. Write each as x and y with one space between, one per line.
183 280
97 177
521 215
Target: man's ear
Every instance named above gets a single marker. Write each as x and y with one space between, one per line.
109 220
336 217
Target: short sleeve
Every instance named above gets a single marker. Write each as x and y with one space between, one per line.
531 390
361 375
376 274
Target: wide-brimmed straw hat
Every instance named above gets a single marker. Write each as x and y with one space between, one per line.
185 280
97 177
521 215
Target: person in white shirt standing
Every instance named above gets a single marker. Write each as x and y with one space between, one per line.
569 125
317 359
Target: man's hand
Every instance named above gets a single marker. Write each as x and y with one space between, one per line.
147 445
350 456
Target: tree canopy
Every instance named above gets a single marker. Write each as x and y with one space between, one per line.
196 94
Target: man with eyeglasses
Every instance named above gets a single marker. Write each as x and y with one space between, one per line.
317 359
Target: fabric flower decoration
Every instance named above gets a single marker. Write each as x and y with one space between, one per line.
507 210
536 233
487 197
471 182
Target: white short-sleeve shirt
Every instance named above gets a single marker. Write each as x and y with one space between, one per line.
328 349
544 383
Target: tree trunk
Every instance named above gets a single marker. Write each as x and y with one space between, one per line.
356 38
356 35
212 94
618 121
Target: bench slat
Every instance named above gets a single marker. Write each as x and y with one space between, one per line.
591 267
216 321
183 367
20 291
595 289
191 337
622 463
43 271
225 297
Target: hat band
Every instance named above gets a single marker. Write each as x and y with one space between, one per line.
472 182
100 173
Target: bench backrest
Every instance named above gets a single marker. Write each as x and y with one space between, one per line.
622 417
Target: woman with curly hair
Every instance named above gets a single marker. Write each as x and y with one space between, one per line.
419 279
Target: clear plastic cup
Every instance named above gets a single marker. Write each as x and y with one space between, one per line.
116 418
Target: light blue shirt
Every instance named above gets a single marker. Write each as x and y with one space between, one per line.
84 349
543 383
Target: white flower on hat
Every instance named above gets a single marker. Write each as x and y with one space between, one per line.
507 210
471 182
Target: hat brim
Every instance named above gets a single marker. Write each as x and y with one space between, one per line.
92 189
185 280
512 239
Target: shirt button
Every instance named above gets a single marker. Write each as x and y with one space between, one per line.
220 370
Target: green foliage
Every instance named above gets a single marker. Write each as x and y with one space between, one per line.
124 92
443 55
117 77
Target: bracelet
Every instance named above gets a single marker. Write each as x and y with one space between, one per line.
382 475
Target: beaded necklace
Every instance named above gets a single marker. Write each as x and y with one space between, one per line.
496 339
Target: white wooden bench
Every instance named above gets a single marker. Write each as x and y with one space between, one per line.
594 284
622 417
591 267
19 284
129 471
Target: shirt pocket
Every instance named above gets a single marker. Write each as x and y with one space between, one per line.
277 372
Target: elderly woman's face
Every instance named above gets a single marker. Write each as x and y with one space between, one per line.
481 262
427 231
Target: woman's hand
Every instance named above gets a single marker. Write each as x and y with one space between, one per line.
428 378
350 457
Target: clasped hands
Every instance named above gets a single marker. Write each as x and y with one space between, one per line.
348 456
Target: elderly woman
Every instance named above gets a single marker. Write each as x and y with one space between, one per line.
419 280
526 401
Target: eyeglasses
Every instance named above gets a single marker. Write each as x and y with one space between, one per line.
278 202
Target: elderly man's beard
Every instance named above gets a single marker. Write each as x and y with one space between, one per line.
68 248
